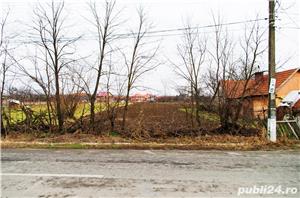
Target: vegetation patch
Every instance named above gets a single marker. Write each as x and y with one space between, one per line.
185 144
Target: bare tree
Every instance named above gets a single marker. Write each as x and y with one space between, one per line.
140 61
71 94
49 25
42 77
192 52
80 78
228 78
105 35
222 58
5 65
252 48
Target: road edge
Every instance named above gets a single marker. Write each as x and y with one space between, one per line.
151 145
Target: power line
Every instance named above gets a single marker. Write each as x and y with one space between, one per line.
154 33
201 27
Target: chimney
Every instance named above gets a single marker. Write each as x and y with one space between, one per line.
258 76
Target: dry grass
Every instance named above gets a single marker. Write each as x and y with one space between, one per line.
150 126
84 141
151 121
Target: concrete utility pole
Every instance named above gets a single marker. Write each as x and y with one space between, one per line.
272 79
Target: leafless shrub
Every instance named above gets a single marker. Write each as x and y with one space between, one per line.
192 52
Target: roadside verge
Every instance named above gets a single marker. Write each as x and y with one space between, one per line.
150 145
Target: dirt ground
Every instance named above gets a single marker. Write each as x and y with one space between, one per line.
164 120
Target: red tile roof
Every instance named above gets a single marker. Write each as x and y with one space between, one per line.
234 89
103 94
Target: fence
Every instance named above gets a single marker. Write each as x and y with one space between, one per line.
289 128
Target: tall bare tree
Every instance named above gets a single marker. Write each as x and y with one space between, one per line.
222 55
105 27
140 61
49 25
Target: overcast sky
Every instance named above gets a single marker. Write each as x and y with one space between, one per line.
171 14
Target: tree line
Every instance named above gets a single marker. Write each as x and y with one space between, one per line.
54 67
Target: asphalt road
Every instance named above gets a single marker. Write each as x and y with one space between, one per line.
145 173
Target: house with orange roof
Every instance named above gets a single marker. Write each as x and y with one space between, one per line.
255 91
142 97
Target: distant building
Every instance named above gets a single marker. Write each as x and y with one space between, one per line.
103 96
142 97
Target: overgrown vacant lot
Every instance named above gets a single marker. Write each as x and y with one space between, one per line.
148 121
151 123
162 120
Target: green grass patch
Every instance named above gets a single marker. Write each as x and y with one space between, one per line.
114 134
84 109
208 116
16 115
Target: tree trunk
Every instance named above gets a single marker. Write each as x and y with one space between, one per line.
197 101
92 111
198 112
112 122
58 104
3 134
192 106
49 113
125 109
